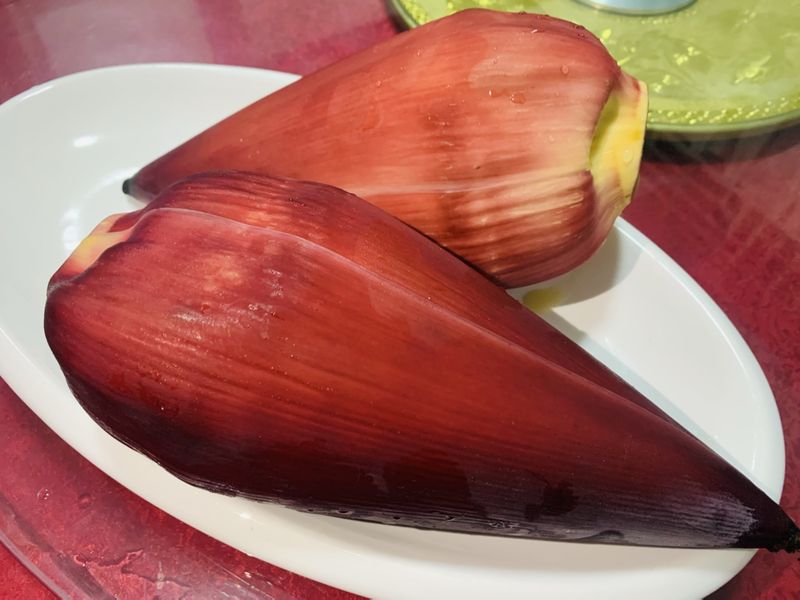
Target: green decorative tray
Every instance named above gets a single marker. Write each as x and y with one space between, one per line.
713 68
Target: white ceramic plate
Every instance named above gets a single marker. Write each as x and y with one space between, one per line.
65 148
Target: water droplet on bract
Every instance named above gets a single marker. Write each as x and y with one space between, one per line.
494 61
551 139
565 69
491 93
378 83
518 98
85 500
43 494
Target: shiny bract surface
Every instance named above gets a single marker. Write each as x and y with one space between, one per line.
711 67
287 341
512 140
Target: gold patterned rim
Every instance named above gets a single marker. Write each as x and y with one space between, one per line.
768 96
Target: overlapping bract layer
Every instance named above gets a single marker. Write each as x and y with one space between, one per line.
511 139
289 342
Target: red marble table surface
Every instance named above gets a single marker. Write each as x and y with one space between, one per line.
728 212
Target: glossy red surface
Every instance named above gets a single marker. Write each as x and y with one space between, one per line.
445 417
729 213
424 127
